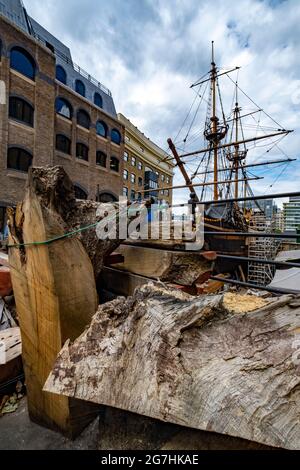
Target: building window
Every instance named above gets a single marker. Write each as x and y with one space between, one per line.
133 161
125 192
139 197
126 156
168 180
106 197
114 164
80 87
21 110
61 75
19 159
82 152
140 181
63 144
83 119
80 193
101 159
163 178
125 175
166 192
101 129
22 62
63 108
132 178
116 136
98 100
127 139
132 195
140 166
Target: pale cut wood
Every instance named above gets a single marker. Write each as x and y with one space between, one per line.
10 345
165 265
188 361
55 292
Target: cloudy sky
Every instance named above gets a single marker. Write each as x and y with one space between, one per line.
149 52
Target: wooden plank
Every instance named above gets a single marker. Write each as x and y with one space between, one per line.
178 267
192 361
10 345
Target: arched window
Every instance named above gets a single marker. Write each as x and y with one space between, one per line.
101 129
82 151
98 100
22 62
83 119
80 193
80 87
116 136
114 164
63 108
101 159
63 144
19 159
21 110
61 74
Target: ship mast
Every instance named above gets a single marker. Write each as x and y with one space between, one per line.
214 120
236 160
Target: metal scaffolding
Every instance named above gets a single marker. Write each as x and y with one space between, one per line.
262 248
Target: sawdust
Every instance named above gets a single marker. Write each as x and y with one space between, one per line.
238 303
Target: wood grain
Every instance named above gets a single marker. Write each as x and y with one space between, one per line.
188 361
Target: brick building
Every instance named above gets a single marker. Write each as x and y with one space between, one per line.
144 166
53 113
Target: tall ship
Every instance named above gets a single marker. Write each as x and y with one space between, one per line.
217 153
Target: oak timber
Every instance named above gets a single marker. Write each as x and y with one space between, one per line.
166 265
188 361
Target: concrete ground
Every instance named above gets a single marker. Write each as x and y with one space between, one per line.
19 433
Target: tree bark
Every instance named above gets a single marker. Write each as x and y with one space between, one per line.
193 362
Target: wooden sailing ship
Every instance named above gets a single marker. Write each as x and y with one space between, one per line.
222 166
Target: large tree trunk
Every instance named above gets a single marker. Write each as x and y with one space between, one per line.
54 285
193 362
178 267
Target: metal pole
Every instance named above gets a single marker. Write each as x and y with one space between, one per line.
270 162
209 183
275 290
249 198
252 234
259 261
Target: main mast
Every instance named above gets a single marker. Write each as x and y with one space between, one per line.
214 121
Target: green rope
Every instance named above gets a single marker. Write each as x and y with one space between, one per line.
66 235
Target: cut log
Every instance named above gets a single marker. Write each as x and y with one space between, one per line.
168 266
188 361
10 345
54 286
